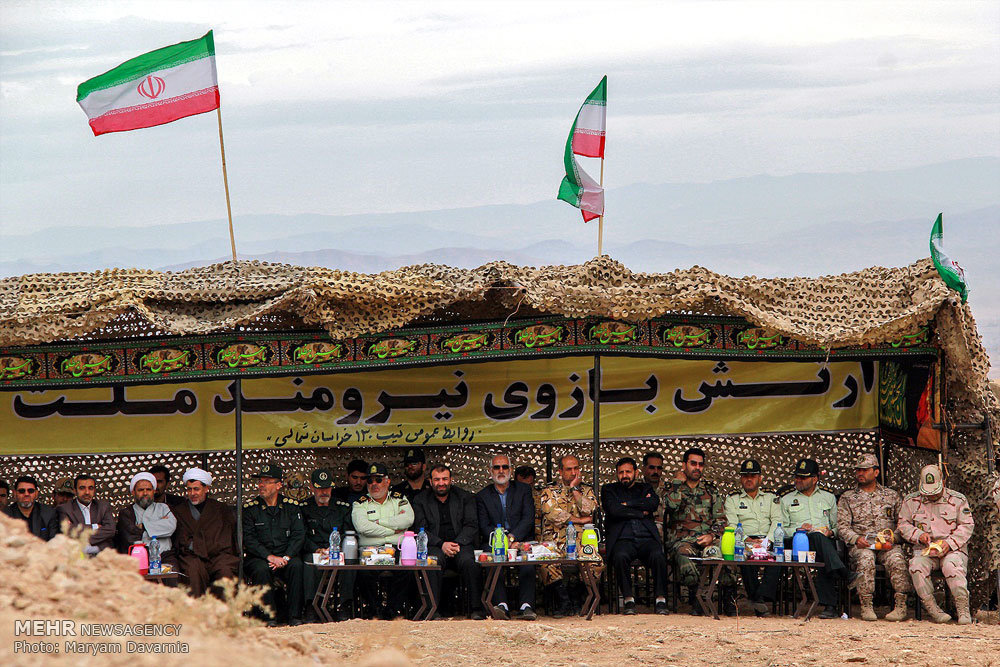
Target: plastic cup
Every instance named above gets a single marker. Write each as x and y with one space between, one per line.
803 556
810 556
511 554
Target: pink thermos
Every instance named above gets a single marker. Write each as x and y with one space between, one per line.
408 549
141 555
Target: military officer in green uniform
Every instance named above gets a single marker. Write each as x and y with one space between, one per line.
814 510
760 513
381 517
321 514
273 535
693 521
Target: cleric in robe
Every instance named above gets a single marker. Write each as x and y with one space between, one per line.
146 518
205 541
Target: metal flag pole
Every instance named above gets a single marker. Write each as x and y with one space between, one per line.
600 219
239 471
225 181
597 419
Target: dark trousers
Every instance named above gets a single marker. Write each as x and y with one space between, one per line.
825 579
398 584
259 572
464 562
203 572
650 552
345 580
525 587
751 579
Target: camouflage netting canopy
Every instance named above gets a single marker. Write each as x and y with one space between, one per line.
875 305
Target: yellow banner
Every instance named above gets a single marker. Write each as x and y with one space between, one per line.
541 400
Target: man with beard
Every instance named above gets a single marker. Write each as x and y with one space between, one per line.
273 535
145 518
414 474
760 513
526 475
630 533
509 504
357 483
91 513
4 494
693 521
205 540
64 491
42 520
448 516
567 500
160 495
321 514
652 474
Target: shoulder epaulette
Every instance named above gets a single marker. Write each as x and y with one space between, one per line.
910 496
735 494
957 494
395 494
343 502
362 499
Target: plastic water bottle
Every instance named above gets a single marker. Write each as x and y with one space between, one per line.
334 546
421 547
570 541
498 541
779 543
739 548
154 556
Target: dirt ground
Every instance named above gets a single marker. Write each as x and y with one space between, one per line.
54 581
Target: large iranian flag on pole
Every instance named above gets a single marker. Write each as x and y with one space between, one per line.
586 138
155 88
948 269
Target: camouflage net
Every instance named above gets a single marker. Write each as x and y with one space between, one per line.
874 305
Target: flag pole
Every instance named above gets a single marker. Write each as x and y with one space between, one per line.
225 181
600 219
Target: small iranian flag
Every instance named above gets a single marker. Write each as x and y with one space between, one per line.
950 271
155 88
587 139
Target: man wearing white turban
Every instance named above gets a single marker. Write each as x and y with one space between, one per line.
205 541
144 518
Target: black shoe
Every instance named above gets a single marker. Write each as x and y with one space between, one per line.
526 614
294 621
829 611
695 604
661 608
760 609
271 623
310 616
477 616
344 614
852 579
629 608
501 613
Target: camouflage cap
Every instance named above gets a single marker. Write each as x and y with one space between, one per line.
866 461
931 481
271 470
322 478
65 485
750 467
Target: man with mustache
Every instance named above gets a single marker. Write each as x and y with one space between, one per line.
91 513
205 540
42 520
652 474
144 518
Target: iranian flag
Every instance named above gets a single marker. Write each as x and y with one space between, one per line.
950 271
587 139
155 88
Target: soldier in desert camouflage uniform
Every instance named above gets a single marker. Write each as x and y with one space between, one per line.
862 512
931 515
693 521
563 501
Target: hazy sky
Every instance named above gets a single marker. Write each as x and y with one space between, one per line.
336 107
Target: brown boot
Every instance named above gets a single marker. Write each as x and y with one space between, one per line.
867 610
962 606
933 610
899 612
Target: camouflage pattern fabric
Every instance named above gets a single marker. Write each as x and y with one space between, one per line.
859 514
658 514
558 506
948 518
688 514
996 492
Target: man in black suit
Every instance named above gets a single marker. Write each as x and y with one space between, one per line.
509 504
630 532
447 514
42 519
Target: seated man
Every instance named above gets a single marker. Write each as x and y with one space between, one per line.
161 495
42 520
448 515
205 539
4 494
526 475
509 504
273 535
629 507
144 518
760 514
566 501
321 514
90 513
357 483
64 491
938 521
381 518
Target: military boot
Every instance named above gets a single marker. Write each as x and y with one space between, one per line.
933 610
867 610
693 601
899 611
962 606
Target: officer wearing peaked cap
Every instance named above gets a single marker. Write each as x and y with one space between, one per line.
273 535
321 514
760 513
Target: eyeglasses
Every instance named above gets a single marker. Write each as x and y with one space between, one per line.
501 467
26 492
375 479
